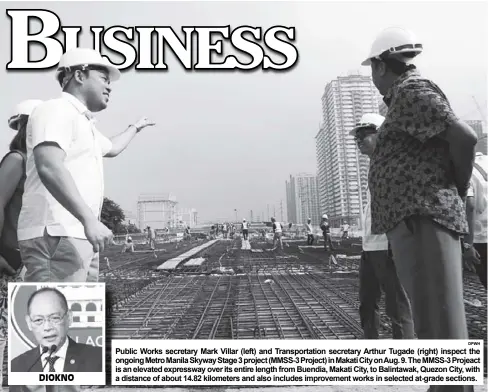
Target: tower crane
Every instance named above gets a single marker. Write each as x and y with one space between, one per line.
483 117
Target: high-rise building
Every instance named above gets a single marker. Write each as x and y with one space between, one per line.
291 203
482 145
302 199
342 171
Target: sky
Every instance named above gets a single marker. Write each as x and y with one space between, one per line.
230 140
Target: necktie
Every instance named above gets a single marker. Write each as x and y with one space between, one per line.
51 361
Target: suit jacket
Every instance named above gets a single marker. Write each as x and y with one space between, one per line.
79 358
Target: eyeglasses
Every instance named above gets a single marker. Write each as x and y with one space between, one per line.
364 132
360 137
54 319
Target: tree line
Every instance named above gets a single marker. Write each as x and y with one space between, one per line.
113 217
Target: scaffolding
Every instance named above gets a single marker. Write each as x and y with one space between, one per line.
157 211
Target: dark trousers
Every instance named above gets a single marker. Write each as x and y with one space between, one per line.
377 273
310 239
327 241
481 268
428 260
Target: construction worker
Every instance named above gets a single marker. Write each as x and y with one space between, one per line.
278 234
475 242
245 229
309 230
128 245
187 233
377 270
419 174
151 238
64 186
345 231
324 226
12 178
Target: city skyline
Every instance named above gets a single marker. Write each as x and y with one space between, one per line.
227 141
302 198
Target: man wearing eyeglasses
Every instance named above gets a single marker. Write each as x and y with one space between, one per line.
377 270
49 319
419 174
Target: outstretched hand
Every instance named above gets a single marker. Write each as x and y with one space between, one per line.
143 123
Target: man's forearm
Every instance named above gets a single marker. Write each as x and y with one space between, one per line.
121 141
462 141
463 162
58 181
469 238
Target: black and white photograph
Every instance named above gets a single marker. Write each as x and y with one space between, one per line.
56 328
241 170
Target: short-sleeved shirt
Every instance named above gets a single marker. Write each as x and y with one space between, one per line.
66 122
410 169
309 228
325 228
13 207
277 228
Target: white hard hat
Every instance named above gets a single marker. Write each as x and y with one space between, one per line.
368 120
325 216
24 108
395 41
83 58
129 237
244 219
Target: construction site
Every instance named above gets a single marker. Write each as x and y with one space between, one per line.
218 288
215 289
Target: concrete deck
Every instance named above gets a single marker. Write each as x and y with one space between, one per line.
173 263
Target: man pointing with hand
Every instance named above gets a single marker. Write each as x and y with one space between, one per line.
59 230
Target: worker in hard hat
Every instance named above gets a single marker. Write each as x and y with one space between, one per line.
151 238
325 227
377 270
419 174
278 234
309 231
245 229
59 230
128 245
12 178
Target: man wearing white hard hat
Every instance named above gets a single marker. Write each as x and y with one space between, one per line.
245 229
325 227
60 233
419 174
377 270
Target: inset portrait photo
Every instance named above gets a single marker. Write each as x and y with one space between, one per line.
56 334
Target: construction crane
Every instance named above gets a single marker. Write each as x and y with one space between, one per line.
483 117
